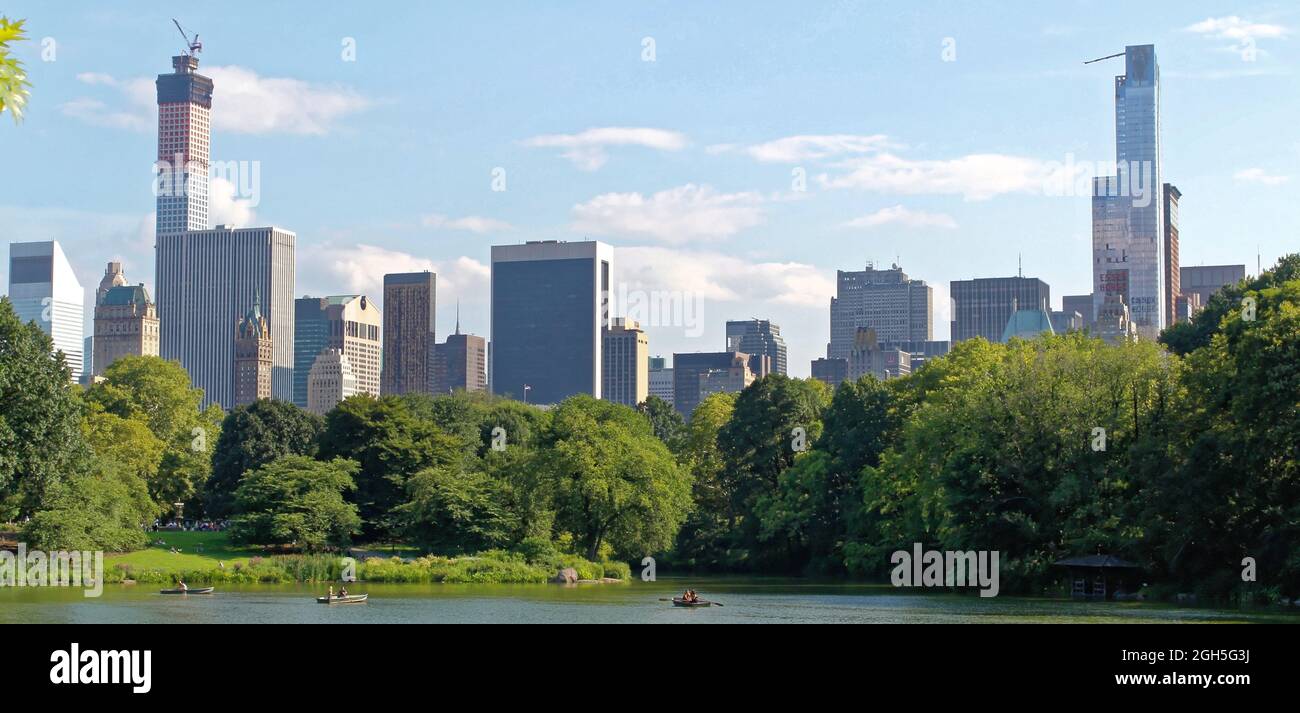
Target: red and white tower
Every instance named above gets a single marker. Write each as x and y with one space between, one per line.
184 147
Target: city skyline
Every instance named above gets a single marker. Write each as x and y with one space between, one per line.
580 171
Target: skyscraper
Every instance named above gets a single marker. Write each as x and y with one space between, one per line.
981 307
1128 240
329 381
868 356
44 289
1173 278
184 147
253 357
626 367
689 366
550 303
660 380
1205 280
898 308
410 302
760 339
126 321
206 281
1081 304
460 363
351 323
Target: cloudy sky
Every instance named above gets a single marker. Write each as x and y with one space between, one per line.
736 154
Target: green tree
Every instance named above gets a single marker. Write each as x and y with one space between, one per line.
704 540
40 415
391 444
1185 337
13 78
296 501
252 436
614 482
456 511
668 425
87 511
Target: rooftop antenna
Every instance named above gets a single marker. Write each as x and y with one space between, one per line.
1109 56
457 315
1020 265
194 45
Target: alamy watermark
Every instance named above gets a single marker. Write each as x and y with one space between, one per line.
948 568
36 568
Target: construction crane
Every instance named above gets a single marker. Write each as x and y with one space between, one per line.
1111 56
194 45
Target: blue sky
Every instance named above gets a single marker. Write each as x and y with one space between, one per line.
924 133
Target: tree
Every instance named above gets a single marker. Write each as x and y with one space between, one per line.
13 78
456 511
252 436
773 416
296 501
390 443
668 425
703 541
40 415
125 450
87 511
1185 337
614 482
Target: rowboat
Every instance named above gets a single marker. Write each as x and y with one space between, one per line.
679 602
350 599
204 590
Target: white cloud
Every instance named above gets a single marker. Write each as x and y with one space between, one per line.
243 102
224 208
588 150
360 269
811 147
1235 28
975 177
472 223
716 276
1259 175
903 216
676 215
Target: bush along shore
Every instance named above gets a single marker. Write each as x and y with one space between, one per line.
494 567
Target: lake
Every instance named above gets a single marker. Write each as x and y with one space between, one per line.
745 600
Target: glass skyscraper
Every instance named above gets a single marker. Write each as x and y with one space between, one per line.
44 289
1128 241
550 303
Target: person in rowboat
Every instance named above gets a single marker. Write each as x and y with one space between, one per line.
690 596
181 585
343 592
331 594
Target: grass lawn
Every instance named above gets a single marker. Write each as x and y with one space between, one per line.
198 551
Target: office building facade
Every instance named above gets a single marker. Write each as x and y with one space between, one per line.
1205 280
206 281
550 306
460 364
184 147
981 307
351 323
410 305
761 340
44 289
330 380
626 363
687 368
254 358
897 307
126 321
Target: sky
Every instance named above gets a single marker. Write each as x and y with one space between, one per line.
735 154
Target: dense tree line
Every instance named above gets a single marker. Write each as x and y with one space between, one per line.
1181 457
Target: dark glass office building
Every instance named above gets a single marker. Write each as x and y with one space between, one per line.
550 301
981 307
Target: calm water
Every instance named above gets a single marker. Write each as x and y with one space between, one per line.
745 601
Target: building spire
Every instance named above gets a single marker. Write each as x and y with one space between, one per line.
457 315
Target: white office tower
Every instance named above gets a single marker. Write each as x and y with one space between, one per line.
44 289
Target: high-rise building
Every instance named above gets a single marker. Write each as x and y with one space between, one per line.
1064 322
660 381
731 380
550 303
351 323
868 357
1081 304
1128 241
981 307
1186 306
460 363
329 381
1205 280
1027 324
410 302
254 357
920 351
831 370
1114 323
126 321
626 368
898 308
761 340
206 280
184 147
687 368
1172 275
44 289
